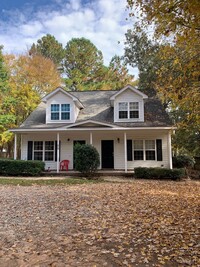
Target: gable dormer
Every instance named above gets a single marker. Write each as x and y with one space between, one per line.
128 105
61 106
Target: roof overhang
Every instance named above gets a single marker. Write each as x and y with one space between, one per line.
128 87
60 89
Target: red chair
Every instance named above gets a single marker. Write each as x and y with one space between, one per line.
64 165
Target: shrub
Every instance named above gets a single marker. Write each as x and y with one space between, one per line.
183 161
159 173
86 159
21 167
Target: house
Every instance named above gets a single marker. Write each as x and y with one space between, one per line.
127 128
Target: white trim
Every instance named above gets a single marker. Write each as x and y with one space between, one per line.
58 152
15 147
170 150
91 138
89 129
60 89
125 153
89 121
144 96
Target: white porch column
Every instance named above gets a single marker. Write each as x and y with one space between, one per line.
91 138
15 147
125 153
58 152
170 150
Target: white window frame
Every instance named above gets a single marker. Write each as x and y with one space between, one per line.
60 112
128 110
43 151
144 149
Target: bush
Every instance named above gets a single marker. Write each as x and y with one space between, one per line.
159 173
183 161
86 159
21 167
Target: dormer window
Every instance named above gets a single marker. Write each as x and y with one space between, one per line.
60 112
128 110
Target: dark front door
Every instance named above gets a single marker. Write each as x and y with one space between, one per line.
81 142
107 154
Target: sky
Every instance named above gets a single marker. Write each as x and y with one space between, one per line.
103 22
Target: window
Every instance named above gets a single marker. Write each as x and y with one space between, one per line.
60 112
49 150
55 112
134 110
43 150
38 150
138 150
128 110
65 111
150 150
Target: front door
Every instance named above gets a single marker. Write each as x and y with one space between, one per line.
81 142
107 154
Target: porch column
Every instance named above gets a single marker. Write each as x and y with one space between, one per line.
125 153
170 150
58 152
15 147
91 138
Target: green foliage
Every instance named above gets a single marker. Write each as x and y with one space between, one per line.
183 161
142 53
86 159
50 48
21 168
158 173
83 64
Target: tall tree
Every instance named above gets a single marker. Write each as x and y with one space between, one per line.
141 52
179 21
50 48
83 64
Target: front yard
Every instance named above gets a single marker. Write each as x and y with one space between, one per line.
142 223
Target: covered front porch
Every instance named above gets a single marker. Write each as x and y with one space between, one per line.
55 145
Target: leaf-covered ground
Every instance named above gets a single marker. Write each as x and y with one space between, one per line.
143 223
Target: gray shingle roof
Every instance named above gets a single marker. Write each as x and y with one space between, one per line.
97 108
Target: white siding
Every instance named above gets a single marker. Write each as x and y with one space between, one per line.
67 139
61 98
128 96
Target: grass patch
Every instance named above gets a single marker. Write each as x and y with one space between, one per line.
30 182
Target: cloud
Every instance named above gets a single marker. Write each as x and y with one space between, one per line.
102 21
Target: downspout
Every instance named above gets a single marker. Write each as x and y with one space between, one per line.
170 150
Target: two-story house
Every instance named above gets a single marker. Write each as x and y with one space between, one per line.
127 128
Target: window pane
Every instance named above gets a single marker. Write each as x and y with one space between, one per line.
134 106
54 116
150 155
138 144
123 106
55 107
134 114
49 155
38 155
138 155
38 145
65 116
49 145
123 114
65 107
150 144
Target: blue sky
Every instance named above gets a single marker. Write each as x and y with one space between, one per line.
23 22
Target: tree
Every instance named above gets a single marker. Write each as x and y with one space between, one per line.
177 26
50 48
141 52
83 65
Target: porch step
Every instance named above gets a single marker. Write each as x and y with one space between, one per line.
99 173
